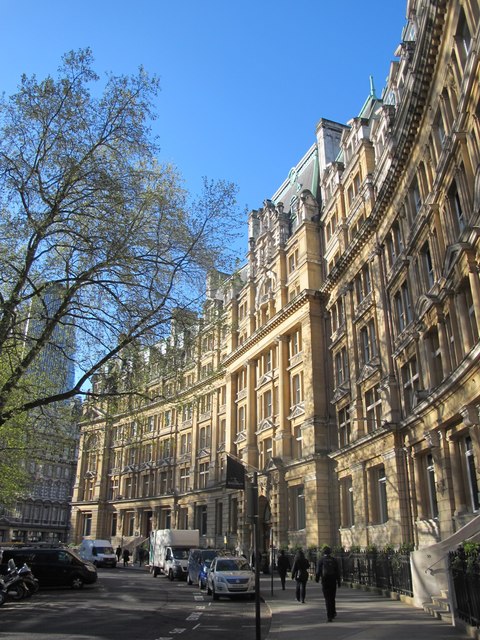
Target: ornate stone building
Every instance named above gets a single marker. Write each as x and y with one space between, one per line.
341 362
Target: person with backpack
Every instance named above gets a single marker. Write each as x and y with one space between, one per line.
329 573
300 574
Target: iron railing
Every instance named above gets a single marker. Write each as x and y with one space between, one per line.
387 571
465 580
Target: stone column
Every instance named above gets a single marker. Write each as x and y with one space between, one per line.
444 347
251 417
460 498
283 436
475 289
462 314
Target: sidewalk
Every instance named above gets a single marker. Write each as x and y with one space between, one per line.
360 614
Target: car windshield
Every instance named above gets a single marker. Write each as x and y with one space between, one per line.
233 564
105 550
180 554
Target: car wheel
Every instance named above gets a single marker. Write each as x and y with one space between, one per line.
209 591
77 582
155 571
170 575
215 595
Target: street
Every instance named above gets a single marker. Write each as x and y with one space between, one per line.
126 604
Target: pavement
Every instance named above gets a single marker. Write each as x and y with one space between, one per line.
361 615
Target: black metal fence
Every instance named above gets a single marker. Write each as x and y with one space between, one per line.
387 571
465 579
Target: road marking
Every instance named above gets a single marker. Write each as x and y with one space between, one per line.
177 630
195 627
194 616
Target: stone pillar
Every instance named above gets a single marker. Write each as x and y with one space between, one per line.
462 314
475 289
460 498
283 436
251 417
444 347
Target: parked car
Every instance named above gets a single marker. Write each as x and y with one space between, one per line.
199 561
230 576
53 567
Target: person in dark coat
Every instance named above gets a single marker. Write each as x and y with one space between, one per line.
118 553
283 567
126 557
328 572
300 575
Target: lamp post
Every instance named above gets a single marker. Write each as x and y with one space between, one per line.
253 513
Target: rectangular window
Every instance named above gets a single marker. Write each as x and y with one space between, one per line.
87 524
219 517
297 395
201 519
184 479
427 265
297 443
410 384
431 487
373 409
341 367
185 443
203 475
471 474
379 495
233 515
403 307
267 404
204 438
347 512
344 428
241 419
297 511
295 343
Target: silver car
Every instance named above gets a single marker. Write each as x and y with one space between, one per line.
230 576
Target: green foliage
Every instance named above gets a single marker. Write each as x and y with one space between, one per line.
93 220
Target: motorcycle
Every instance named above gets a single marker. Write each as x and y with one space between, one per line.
13 584
29 580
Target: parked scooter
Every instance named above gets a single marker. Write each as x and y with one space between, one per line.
13 583
29 580
17 583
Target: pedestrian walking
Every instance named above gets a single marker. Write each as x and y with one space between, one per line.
126 557
329 573
283 567
118 553
300 575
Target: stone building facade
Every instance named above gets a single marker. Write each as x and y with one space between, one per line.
341 362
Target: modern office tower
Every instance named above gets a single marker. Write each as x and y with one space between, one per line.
43 513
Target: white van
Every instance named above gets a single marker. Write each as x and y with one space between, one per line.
100 552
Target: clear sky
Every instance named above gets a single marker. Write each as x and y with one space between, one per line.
244 82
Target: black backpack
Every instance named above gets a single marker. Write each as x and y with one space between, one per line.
329 566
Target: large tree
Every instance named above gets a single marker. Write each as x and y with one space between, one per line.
98 239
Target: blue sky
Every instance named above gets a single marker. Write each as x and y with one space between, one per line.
244 82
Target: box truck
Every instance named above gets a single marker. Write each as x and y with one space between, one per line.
169 549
